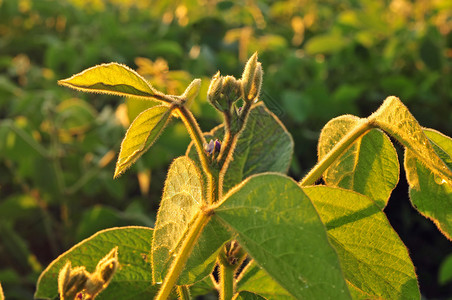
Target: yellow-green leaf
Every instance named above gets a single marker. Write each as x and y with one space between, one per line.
430 192
140 136
369 166
394 118
373 258
112 78
181 202
133 278
2 297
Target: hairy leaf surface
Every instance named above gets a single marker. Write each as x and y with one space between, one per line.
140 136
374 259
133 278
265 145
370 166
394 117
181 201
111 78
276 223
430 193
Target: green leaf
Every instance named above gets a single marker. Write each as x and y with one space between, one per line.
182 200
374 259
394 118
276 223
445 270
325 44
370 165
140 136
112 78
254 279
132 280
265 145
430 192
244 295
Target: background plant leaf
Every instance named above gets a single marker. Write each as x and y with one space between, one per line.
140 136
181 201
264 145
393 117
254 279
369 167
133 278
430 193
276 223
111 78
373 258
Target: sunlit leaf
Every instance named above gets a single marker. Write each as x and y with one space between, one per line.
111 78
276 223
181 202
133 278
373 258
2 296
370 165
394 118
140 136
430 192
325 44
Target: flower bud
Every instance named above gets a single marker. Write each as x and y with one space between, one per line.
71 281
213 147
223 91
103 274
252 79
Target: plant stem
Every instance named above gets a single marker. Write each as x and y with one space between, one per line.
318 170
230 141
196 135
184 292
202 218
226 281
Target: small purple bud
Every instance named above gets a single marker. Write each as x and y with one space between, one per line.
210 147
217 146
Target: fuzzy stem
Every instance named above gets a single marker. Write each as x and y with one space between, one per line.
196 135
226 281
318 170
184 292
202 218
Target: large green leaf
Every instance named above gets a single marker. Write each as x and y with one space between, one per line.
181 202
111 78
370 166
431 193
374 259
276 223
133 278
394 118
140 136
265 145
254 279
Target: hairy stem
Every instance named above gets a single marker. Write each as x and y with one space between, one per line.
318 170
230 141
202 218
184 292
196 135
226 281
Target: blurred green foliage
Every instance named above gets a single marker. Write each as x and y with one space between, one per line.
58 147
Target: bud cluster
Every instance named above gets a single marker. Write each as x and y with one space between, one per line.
78 281
224 91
